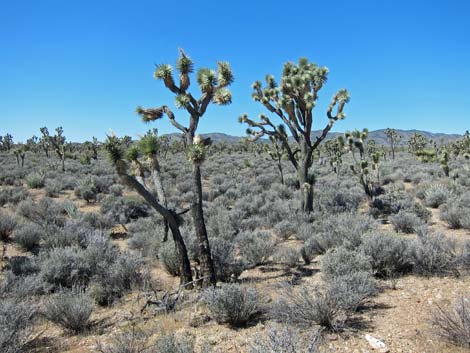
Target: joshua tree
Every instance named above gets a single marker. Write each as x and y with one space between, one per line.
355 142
417 143
335 151
393 138
20 154
116 150
276 153
6 142
213 86
444 160
92 148
57 142
293 101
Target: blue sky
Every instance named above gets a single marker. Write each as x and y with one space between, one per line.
86 65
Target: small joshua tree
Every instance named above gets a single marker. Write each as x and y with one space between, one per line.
335 151
6 142
57 142
355 143
116 149
393 138
276 153
417 143
293 101
444 159
213 86
20 154
92 148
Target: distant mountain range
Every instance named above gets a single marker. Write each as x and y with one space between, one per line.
378 135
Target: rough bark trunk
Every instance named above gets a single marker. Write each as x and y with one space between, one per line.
305 181
207 264
157 182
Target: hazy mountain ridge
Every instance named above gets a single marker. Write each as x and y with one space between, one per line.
378 135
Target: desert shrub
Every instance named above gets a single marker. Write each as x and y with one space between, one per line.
44 212
456 212
169 258
116 190
35 181
285 228
7 225
53 187
306 307
453 324
352 290
284 340
344 229
148 243
343 262
435 195
432 253
335 199
233 304
171 343
22 287
13 195
227 267
28 236
130 340
287 256
256 247
74 233
65 267
124 209
22 265
87 190
117 279
464 258
405 222
387 253
70 309
15 325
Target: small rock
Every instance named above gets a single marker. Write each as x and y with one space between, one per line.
376 343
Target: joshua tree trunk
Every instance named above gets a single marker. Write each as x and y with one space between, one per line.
305 179
207 264
279 166
22 160
62 158
157 182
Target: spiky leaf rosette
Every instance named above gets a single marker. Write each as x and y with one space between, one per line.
196 153
149 114
224 74
132 154
149 144
114 148
222 97
207 79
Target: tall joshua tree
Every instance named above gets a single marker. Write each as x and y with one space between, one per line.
393 137
293 101
213 86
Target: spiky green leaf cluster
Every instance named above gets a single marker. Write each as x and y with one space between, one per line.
196 153
114 147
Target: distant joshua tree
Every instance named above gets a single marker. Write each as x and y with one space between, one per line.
57 142
293 101
393 138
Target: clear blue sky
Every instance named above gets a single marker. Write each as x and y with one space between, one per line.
86 65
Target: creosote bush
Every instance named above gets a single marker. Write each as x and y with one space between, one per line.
233 304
